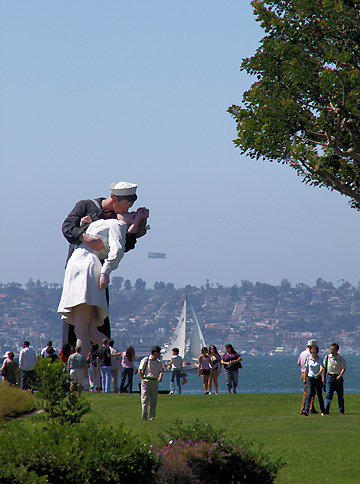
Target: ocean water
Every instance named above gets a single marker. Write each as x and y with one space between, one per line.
266 374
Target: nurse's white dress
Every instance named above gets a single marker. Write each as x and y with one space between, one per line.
82 274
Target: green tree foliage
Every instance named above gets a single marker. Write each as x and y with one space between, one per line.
127 285
117 282
140 285
54 393
265 290
304 108
159 286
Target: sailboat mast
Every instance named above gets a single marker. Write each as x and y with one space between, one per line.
185 324
178 339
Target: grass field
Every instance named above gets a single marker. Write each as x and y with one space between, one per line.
316 449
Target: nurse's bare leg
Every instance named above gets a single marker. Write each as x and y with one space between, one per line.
82 319
94 334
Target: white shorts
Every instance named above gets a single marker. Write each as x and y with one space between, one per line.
77 375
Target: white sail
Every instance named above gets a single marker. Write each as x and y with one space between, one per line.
197 339
178 339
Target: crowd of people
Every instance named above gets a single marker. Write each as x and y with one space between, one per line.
93 372
209 368
105 366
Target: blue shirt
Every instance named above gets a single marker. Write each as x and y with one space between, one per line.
313 366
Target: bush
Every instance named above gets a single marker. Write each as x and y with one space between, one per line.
53 391
197 453
66 454
196 431
57 453
14 401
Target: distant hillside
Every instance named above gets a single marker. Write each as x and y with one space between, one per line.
256 318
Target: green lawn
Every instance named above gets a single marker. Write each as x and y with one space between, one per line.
317 449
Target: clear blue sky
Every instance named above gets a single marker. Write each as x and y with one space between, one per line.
96 92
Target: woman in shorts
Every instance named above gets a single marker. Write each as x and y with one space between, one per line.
204 369
215 369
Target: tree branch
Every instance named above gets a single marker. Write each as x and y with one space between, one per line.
341 150
331 181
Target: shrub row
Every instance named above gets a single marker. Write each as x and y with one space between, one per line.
73 453
88 453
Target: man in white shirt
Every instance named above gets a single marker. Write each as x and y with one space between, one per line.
27 361
150 372
334 368
304 355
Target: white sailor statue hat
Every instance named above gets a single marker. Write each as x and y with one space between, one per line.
123 188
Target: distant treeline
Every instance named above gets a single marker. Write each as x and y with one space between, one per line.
258 288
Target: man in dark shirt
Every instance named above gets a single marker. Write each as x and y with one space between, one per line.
104 365
121 200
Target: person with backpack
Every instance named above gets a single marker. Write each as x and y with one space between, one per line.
10 369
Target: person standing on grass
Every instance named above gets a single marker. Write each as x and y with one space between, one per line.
104 365
334 368
78 370
45 353
215 369
304 355
150 372
231 361
27 361
64 353
204 369
115 365
313 376
10 369
104 357
176 365
50 353
128 368
94 373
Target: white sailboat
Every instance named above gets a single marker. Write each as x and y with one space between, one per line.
178 340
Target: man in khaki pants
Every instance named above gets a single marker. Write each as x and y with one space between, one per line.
150 372
304 355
